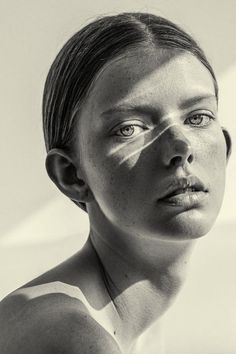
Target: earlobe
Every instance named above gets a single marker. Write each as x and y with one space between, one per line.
228 142
64 174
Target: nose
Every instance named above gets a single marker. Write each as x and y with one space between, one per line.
177 149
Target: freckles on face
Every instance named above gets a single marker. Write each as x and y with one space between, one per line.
216 158
142 112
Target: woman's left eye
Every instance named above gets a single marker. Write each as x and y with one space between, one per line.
129 130
199 120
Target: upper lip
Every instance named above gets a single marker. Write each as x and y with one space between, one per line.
175 184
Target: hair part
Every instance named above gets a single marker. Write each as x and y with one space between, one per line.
84 56
86 53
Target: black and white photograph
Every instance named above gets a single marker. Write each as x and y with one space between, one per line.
118 173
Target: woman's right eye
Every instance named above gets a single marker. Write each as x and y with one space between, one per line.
130 130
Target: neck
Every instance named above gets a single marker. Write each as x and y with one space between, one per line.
142 277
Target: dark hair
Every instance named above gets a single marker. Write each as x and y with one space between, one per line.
83 56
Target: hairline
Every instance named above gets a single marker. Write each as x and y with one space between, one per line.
132 50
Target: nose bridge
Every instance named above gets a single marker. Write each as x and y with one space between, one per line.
177 133
177 148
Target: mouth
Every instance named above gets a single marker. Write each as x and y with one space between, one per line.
186 192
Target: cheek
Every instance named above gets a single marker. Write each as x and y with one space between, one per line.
217 153
116 186
107 178
112 167
215 164
211 150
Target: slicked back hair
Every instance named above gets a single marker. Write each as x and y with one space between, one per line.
85 54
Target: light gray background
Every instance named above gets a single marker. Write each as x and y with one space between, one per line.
39 227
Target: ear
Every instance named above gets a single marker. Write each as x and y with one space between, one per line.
68 179
228 142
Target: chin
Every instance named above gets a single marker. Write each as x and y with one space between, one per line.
187 226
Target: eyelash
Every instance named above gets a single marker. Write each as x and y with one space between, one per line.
129 126
187 121
209 117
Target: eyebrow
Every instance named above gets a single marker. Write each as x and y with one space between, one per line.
147 109
196 99
129 108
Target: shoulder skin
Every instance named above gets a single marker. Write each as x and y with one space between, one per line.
51 323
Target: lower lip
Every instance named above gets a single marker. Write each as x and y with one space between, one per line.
186 200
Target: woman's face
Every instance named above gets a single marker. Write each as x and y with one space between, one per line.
151 146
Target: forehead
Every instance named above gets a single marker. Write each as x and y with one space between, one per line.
149 77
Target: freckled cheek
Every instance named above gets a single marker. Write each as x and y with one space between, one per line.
216 151
210 148
218 163
109 159
112 187
213 158
106 174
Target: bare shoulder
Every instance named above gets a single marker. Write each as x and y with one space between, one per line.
47 319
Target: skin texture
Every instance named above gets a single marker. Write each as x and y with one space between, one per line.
46 319
150 120
127 175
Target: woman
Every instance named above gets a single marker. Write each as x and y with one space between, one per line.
133 138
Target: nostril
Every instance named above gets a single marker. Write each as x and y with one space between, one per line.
190 158
180 160
176 160
178 151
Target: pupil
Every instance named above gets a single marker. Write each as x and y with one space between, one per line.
128 130
197 119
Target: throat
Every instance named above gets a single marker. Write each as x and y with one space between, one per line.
141 287
140 307
139 304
